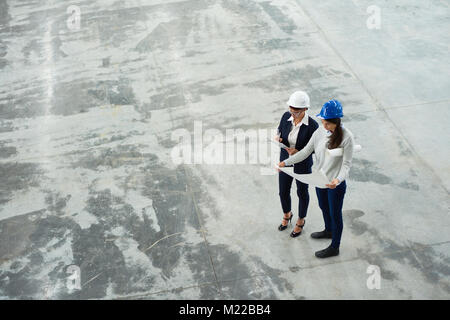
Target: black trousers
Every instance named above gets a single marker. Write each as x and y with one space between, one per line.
285 182
331 202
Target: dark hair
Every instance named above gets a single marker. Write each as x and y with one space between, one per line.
337 136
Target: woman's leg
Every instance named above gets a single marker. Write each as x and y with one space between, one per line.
336 201
303 199
284 184
322 197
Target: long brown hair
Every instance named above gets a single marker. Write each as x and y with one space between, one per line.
335 139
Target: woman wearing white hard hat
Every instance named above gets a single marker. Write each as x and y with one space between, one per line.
331 199
294 131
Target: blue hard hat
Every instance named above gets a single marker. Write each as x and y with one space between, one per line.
331 110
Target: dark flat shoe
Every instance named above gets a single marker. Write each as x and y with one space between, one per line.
321 235
328 252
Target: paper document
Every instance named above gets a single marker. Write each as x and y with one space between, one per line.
279 144
338 152
316 178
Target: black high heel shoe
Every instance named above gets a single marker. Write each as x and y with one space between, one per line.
296 234
281 227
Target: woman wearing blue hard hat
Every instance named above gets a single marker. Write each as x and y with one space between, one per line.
333 135
294 131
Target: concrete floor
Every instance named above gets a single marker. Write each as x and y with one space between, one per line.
87 177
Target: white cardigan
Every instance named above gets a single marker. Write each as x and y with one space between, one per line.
334 167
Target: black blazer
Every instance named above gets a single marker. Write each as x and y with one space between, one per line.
303 137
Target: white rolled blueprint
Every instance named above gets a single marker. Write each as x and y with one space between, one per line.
338 152
316 178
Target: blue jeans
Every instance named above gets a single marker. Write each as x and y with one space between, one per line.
331 201
284 183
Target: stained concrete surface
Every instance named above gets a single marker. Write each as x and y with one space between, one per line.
87 177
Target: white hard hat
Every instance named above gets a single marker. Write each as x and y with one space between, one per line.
299 99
